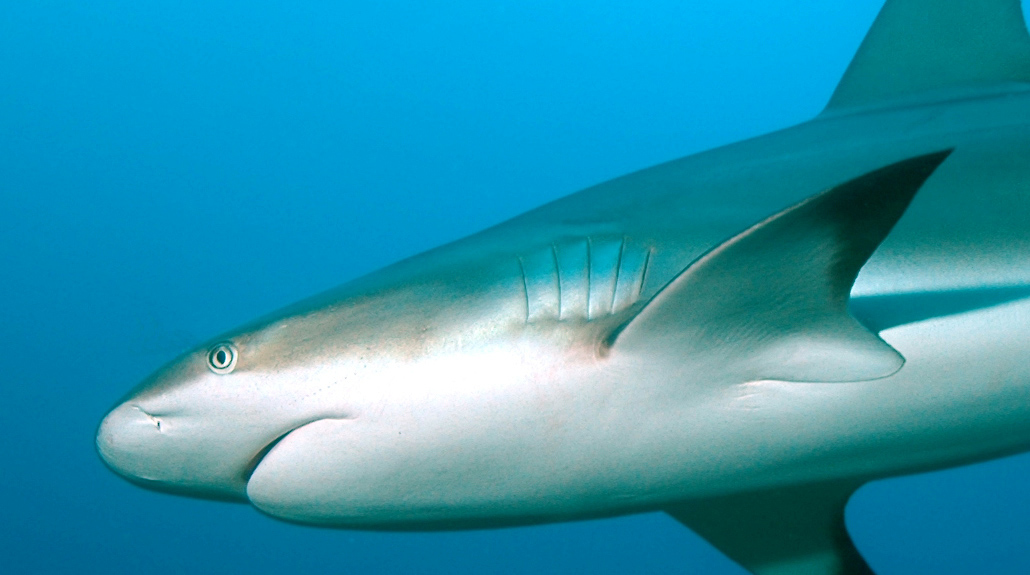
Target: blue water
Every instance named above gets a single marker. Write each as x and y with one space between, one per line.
169 170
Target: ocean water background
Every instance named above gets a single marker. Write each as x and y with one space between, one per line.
169 170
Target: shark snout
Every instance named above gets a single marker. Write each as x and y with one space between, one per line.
154 450
125 437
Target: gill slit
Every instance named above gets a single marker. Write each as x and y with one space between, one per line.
589 268
643 274
557 274
618 271
525 285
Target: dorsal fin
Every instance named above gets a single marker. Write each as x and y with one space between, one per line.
771 302
926 45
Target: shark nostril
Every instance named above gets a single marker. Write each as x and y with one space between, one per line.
153 418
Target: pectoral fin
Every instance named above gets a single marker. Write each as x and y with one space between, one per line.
772 302
797 530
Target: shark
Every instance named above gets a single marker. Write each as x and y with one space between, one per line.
740 338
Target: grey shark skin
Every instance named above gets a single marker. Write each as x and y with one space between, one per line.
740 338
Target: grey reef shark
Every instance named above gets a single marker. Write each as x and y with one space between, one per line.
740 338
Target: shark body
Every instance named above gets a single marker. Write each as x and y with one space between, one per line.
740 338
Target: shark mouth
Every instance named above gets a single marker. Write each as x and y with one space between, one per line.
248 470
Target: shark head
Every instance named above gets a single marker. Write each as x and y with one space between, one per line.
203 424
200 424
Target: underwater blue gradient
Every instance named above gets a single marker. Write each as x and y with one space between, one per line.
169 170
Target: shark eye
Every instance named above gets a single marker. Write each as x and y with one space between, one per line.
222 358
